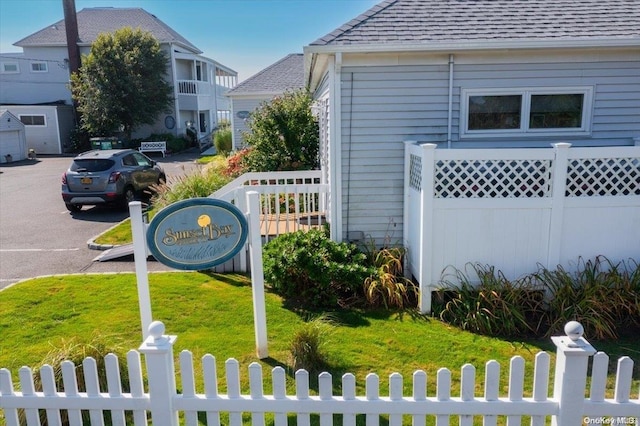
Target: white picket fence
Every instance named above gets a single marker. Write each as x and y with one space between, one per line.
514 209
161 404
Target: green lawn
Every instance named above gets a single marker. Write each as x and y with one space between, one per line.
212 313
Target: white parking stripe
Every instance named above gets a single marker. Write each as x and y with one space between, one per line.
37 250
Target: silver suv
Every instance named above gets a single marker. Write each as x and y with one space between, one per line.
112 176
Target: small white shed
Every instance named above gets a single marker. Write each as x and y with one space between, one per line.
13 144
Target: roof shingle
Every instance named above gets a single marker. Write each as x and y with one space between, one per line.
285 74
431 21
93 21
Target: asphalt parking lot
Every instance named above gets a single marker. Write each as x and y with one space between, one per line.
38 236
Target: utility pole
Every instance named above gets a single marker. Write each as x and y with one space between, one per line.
71 27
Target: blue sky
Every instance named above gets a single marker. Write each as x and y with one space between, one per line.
246 35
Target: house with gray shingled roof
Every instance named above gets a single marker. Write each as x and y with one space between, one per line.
40 74
483 131
284 75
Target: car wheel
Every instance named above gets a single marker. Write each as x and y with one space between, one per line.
73 207
128 196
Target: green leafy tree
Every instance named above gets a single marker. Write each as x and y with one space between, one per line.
283 134
121 83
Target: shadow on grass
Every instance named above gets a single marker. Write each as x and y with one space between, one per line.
356 317
232 279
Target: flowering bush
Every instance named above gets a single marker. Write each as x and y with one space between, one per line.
236 164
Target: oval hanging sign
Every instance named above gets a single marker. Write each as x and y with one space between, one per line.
197 234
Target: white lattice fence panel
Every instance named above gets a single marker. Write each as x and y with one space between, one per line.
492 179
415 172
589 177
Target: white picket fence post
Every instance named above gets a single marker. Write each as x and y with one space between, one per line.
572 360
158 352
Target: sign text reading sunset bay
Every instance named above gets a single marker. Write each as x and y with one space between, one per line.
197 234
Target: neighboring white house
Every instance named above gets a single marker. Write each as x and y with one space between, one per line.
491 85
13 146
282 76
40 74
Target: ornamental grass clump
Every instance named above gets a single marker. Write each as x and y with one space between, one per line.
603 296
493 305
200 183
308 345
76 351
387 286
222 140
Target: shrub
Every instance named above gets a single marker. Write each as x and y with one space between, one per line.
237 164
222 140
308 268
283 134
176 144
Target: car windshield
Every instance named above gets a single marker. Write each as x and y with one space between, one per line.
91 165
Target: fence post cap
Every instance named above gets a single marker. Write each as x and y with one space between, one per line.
574 330
157 340
156 329
573 342
561 145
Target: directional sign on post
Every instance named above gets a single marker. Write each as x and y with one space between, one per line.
197 234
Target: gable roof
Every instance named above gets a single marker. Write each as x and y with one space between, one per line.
286 74
93 21
401 22
8 120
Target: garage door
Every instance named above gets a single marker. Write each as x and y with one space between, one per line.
10 145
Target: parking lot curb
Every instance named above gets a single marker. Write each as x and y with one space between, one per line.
95 246
91 242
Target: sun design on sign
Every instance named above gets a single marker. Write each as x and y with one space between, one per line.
204 220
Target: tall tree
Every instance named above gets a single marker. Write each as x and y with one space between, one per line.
121 83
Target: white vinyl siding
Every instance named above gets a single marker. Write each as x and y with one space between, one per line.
382 106
240 125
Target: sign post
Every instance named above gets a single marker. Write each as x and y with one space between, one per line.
140 257
257 274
